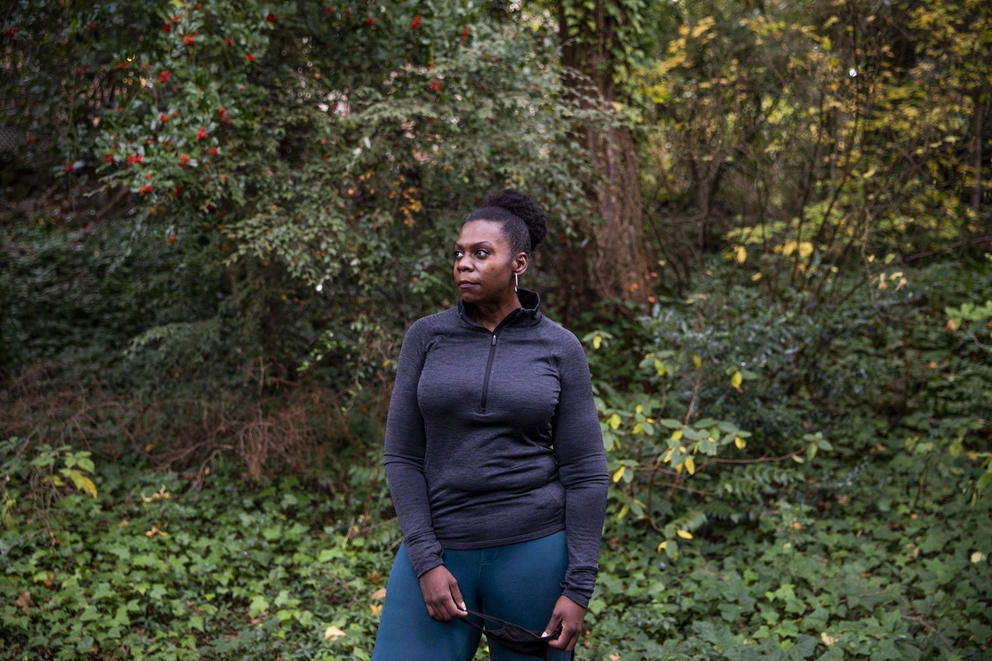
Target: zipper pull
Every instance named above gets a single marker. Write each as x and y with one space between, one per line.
494 339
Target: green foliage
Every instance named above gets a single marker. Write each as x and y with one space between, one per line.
862 574
865 416
621 33
293 173
825 533
317 151
153 570
816 132
32 478
798 440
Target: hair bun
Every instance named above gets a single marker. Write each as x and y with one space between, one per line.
519 204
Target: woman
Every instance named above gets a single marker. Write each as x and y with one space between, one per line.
495 460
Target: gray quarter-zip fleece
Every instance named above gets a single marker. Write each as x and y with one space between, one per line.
493 438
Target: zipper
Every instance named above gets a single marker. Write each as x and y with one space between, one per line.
489 370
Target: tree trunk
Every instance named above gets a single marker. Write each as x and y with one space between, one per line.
616 259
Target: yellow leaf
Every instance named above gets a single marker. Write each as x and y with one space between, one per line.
697 361
379 594
662 546
702 26
736 379
618 475
797 459
86 484
332 633
684 534
614 421
739 442
740 254
597 341
677 435
375 608
977 557
805 249
690 465
827 640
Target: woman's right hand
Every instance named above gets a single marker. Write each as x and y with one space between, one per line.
441 594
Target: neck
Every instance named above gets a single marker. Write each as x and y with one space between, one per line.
489 315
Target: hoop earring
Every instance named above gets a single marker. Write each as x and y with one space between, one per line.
516 281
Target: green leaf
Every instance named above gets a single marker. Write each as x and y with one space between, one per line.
258 605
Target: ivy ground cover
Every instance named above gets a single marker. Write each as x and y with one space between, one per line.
151 568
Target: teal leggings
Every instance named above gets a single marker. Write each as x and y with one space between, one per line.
518 582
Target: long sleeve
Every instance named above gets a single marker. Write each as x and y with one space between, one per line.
578 443
405 449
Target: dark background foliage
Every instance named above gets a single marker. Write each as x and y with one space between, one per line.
769 225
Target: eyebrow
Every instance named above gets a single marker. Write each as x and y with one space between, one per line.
477 244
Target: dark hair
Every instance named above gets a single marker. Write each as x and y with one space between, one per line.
523 222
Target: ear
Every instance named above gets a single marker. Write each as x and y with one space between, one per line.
520 263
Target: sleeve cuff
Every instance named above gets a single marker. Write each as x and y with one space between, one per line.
579 597
425 556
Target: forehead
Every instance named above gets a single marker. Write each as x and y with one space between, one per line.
482 231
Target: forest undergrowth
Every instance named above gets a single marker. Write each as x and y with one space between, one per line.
784 485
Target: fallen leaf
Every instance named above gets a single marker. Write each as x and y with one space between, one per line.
332 633
24 602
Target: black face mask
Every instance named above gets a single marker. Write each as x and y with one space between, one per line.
513 637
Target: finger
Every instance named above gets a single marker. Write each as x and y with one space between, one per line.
552 624
456 596
444 613
450 609
566 640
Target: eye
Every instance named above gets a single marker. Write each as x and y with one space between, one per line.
481 252
458 254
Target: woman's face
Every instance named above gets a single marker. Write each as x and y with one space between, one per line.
484 264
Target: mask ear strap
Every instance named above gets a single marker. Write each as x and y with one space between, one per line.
471 623
490 618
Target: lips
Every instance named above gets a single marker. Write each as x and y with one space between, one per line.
467 284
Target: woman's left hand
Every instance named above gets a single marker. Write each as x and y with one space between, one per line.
570 615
